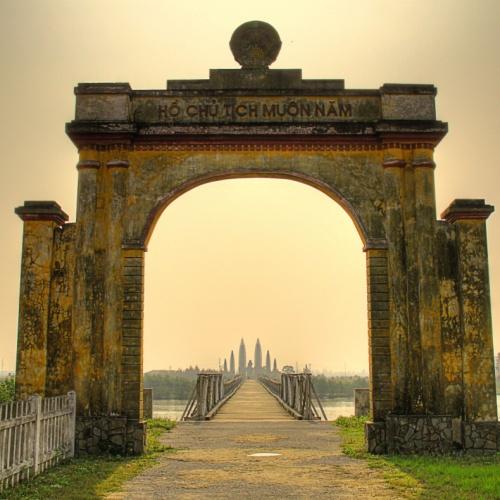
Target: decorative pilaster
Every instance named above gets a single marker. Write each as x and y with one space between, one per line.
40 218
112 339
429 302
394 164
84 287
469 218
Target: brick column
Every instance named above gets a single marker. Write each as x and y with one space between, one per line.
469 218
132 334
84 302
40 218
381 400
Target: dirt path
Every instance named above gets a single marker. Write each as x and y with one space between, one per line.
214 460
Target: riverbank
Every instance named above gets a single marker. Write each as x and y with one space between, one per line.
457 477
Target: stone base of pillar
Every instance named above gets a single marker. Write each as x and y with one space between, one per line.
361 402
147 403
109 434
437 434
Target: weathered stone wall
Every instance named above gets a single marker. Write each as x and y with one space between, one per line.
436 434
417 434
481 436
109 434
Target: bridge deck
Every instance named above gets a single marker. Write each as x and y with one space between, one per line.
251 403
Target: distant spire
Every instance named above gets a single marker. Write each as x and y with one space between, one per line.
268 362
242 358
225 365
275 365
258 357
231 363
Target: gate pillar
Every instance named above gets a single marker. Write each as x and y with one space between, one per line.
469 218
40 218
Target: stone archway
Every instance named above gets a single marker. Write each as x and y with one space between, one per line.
375 249
430 334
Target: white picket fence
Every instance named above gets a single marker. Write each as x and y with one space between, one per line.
35 434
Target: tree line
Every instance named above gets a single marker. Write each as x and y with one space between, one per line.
339 386
178 384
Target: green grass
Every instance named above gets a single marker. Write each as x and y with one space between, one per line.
93 477
457 477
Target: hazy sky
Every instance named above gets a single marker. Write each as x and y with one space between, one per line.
254 257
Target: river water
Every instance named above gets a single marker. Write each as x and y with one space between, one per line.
173 408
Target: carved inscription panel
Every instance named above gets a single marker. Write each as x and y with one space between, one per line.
265 109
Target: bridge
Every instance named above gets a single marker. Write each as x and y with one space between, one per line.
266 399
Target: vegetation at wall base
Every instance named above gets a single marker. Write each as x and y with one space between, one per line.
457 477
7 389
96 476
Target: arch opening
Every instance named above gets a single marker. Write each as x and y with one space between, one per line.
268 264
325 188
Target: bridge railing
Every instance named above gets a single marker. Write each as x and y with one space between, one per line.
209 394
296 393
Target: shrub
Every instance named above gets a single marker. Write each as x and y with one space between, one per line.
7 389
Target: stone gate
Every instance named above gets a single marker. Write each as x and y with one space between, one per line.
429 319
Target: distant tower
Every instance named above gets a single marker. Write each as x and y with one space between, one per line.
258 358
225 365
242 358
268 362
231 364
275 365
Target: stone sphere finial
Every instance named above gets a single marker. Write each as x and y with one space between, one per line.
255 45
